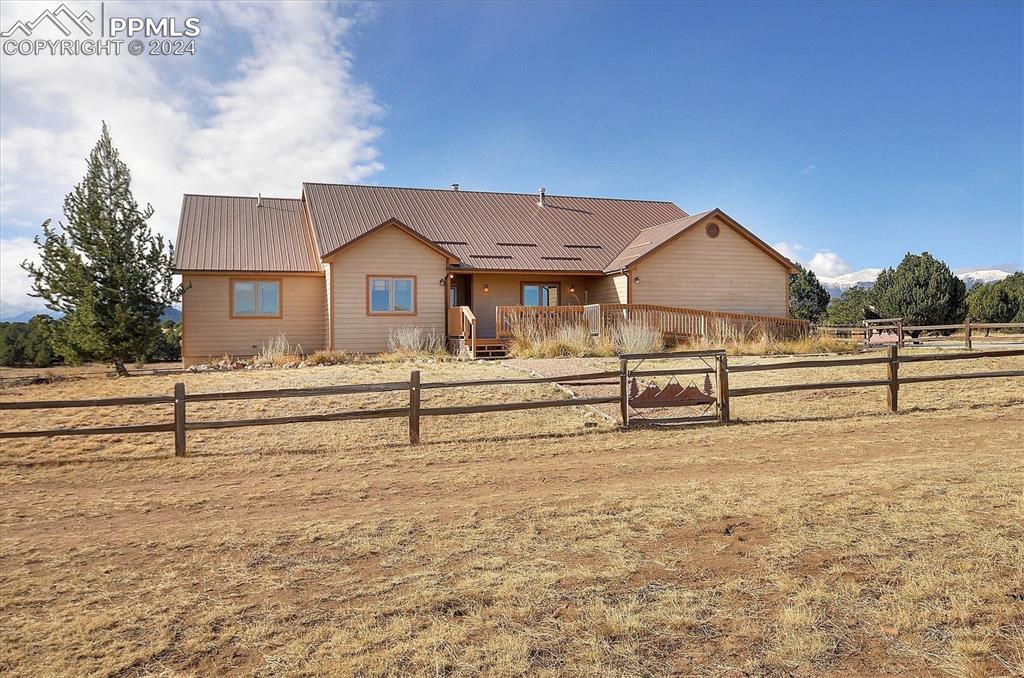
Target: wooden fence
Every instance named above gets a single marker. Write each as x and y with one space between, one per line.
602 319
918 334
414 411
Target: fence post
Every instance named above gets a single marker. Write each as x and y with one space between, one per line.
893 366
624 391
179 420
967 335
899 329
414 407
722 365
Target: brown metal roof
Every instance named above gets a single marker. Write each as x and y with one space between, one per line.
489 230
651 239
225 233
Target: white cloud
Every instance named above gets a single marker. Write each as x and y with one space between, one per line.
809 169
14 283
792 251
823 262
269 101
828 264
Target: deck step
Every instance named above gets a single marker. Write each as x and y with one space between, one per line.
488 348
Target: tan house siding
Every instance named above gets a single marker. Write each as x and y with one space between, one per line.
388 252
726 273
209 331
609 289
504 290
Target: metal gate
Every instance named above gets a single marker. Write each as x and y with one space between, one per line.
647 395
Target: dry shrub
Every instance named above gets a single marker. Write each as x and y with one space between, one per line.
572 340
411 342
769 346
278 351
635 336
328 358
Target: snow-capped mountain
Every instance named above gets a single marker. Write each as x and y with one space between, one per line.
985 275
865 278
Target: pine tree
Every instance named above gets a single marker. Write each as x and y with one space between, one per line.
807 297
104 269
921 290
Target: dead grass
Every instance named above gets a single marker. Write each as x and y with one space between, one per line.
819 536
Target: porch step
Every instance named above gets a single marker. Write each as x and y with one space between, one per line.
490 348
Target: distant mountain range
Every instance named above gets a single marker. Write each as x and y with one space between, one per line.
9 313
865 279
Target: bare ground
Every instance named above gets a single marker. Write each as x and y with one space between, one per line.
819 536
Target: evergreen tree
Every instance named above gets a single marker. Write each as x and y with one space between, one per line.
991 303
921 290
1014 287
852 308
104 269
808 298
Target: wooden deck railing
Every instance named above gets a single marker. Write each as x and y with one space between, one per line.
670 320
462 326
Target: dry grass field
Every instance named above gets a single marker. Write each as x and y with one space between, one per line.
817 536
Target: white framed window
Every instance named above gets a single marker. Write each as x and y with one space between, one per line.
391 294
255 298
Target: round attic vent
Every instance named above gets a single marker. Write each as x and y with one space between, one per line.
711 230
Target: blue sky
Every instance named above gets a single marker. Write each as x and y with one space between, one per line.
869 129
846 133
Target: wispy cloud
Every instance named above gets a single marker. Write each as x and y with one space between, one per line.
809 169
270 100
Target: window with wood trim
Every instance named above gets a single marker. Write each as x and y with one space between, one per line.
540 294
255 298
390 295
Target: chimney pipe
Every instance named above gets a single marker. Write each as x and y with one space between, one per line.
259 200
541 203
455 187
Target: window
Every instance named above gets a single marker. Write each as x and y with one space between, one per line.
391 295
255 298
540 294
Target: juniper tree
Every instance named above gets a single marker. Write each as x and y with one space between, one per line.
921 290
807 296
104 269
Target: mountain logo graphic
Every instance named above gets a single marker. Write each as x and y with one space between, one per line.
54 17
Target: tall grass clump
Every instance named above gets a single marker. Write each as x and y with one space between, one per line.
278 351
565 341
636 337
413 342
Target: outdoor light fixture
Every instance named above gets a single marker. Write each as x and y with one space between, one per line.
486 288
441 282
572 289
636 279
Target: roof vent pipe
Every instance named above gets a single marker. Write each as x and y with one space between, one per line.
259 200
455 187
541 203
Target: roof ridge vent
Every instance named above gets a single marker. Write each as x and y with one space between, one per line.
541 203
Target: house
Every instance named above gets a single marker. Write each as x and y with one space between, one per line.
342 265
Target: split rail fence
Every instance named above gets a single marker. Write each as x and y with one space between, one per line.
414 411
966 332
